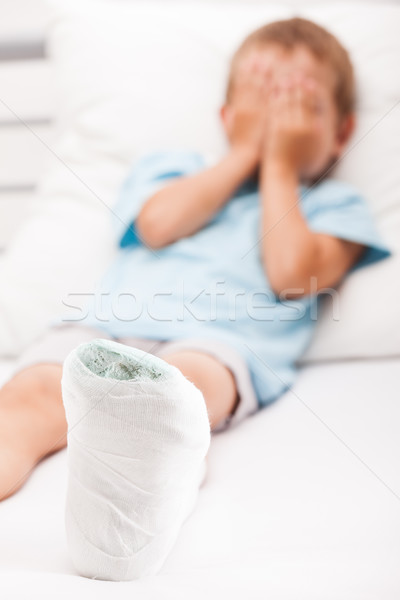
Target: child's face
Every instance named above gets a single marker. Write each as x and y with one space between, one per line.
281 65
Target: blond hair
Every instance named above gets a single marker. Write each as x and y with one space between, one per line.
323 45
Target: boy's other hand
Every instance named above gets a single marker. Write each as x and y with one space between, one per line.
250 107
295 127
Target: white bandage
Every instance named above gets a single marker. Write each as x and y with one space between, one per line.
138 434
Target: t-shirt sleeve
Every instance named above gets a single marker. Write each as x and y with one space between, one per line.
149 174
338 209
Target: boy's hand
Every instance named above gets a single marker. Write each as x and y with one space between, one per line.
250 107
295 122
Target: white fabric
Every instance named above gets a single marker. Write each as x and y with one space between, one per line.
294 506
138 434
135 76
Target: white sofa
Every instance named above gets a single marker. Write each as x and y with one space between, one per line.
302 500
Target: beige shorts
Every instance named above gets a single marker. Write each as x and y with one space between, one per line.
58 341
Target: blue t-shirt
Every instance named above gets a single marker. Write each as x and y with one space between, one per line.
212 284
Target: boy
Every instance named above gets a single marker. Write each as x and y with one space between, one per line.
200 320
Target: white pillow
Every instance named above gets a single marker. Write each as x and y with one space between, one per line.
133 77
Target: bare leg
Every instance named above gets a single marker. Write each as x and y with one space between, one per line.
32 417
211 377
32 423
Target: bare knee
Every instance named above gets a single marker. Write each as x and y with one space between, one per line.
32 422
213 379
36 380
